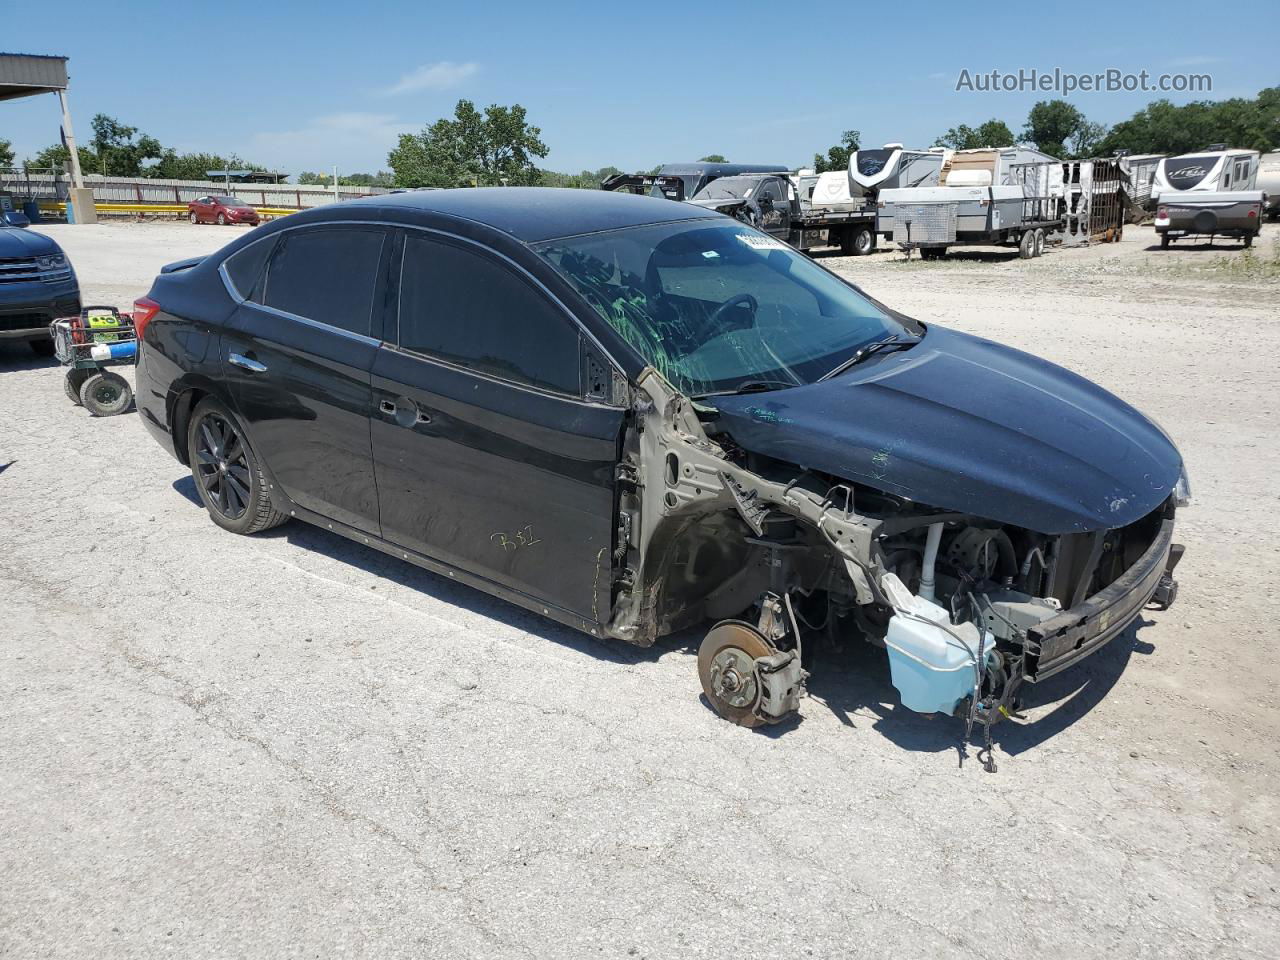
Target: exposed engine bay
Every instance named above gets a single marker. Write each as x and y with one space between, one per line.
966 608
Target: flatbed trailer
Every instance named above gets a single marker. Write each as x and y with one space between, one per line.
933 219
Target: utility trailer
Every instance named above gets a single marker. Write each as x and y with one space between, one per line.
771 202
1209 194
1005 196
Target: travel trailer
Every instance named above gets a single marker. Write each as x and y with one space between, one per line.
893 167
1269 182
1209 194
992 196
1141 171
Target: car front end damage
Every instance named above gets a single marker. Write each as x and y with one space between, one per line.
968 607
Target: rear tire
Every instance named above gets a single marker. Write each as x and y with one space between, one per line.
1039 237
858 242
1164 241
1248 241
72 383
932 253
42 347
227 473
1027 246
222 220
106 394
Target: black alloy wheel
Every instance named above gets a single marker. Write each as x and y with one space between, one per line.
222 466
227 474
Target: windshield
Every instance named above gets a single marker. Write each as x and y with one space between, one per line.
715 307
230 201
728 188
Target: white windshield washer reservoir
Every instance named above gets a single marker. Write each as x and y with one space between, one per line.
931 660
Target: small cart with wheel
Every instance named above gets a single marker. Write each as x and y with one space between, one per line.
100 337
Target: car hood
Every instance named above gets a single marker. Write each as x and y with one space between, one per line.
22 242
964 424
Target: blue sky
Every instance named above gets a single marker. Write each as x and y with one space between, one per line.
307 86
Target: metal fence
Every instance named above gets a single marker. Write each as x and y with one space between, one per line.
53 187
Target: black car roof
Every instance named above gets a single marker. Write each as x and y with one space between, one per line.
534 214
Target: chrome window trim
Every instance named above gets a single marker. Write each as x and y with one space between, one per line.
573 319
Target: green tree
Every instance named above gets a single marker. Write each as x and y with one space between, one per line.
837 157
713 158
115 149
121 150
6 153
1050 124
1086 138
1160 127
195 166
58 155
993 133
586 180
495 147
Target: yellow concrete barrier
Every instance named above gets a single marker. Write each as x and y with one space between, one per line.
177 209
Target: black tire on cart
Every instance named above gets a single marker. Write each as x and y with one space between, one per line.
72 383
932 253
105 394
1039 235
43 347
228 476
1027 245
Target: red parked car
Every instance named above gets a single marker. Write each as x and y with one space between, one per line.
222 209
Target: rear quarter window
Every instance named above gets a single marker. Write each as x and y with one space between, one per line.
245 267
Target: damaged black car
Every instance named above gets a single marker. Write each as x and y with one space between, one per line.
636 417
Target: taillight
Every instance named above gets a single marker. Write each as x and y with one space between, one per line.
1253 213
144 308
1162 213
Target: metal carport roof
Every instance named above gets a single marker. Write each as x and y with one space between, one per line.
27 74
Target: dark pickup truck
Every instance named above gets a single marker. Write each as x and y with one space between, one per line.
769 202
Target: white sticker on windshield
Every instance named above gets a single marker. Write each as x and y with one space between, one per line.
759 242
711 254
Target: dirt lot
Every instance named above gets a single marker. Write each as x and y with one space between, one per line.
288 745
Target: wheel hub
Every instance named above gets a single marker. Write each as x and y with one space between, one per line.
733 677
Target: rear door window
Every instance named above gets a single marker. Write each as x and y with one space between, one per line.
327 274
472 310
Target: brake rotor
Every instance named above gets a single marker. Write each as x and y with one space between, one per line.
726 667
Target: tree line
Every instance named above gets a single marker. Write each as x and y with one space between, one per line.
499 146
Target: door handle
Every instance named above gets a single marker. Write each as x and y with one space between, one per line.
253 366
388 407
409 415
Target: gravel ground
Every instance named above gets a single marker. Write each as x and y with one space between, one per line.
288 745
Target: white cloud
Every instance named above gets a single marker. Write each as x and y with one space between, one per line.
433 76
354 141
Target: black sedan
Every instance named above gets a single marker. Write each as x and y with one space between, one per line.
634 416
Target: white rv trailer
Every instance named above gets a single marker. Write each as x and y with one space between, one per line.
1269 182
892 167
1141 170
991 196
1208 194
